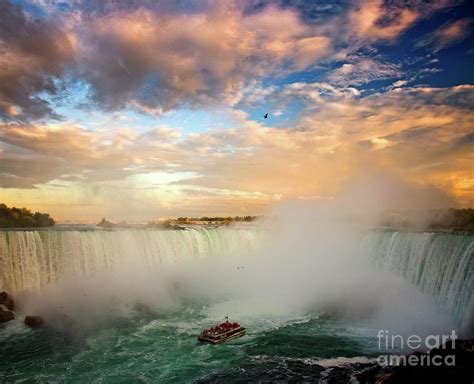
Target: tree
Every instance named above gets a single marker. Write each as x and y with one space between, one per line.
23 218
104 223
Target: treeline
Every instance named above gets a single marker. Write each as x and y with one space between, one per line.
184 220
23 218
104 223
445 220
175 223
459 220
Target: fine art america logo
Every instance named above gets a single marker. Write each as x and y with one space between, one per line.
388 341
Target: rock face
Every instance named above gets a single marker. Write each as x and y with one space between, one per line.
7 300
142 308
33 321
6 315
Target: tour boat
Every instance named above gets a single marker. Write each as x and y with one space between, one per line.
222 332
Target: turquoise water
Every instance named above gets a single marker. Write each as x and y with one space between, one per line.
152 348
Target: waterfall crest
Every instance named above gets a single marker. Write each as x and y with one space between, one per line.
30 260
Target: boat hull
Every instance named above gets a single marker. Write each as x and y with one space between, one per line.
218 339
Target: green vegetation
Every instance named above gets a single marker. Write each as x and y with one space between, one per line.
215 220
443 220
23 218
162 225
177 223
104 223
459 220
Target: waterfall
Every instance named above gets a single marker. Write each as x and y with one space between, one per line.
441 265
30 260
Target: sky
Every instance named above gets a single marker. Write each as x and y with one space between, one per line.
144 109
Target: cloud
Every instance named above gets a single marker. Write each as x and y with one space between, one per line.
19 170
33 53
468 139
447 35
370 22
167 59
405 130
378 20
155 57
419 134
360 70
316 94
36 154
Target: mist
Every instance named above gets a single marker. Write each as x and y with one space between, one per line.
308 260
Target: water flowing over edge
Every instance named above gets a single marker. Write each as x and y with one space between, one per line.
441 265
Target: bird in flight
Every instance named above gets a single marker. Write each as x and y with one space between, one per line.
265 115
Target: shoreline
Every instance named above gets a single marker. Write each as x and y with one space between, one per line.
178 227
